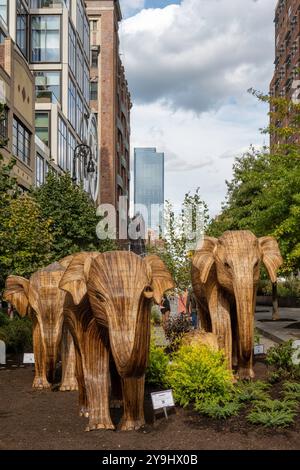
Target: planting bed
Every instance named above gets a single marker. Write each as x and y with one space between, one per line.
48 420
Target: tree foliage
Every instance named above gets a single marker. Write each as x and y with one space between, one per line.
181 233
72 214
264 193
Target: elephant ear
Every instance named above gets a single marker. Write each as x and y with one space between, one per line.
65 262
203 258
16 292
161 279
76 275
271 256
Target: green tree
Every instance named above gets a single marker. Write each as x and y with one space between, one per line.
264 193
26 241
73 216
181 233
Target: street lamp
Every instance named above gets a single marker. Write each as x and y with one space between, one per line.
83 153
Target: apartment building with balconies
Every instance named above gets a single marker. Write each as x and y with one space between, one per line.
110 101
287 52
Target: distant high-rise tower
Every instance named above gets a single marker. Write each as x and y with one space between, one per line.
149 185
287 55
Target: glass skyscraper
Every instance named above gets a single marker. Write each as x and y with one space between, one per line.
149 186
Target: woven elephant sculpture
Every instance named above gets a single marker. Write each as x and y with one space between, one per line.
225 274
41 299
108 313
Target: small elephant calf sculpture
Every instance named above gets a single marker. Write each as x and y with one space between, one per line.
41 299
225 274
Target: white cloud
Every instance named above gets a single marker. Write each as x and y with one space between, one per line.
189 67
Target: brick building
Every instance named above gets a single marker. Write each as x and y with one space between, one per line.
287 55
110 101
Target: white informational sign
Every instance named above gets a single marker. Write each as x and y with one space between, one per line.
28 358
259 349
162 400
2 353
296 354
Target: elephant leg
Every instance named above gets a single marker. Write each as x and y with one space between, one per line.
116 397
68 360
133 396
219 308
40 381
96 377
203 315
82 396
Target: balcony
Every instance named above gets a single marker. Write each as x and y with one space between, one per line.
46 96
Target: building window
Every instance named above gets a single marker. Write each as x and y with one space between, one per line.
72 49
86 36
94 58
45 38
72 103
71 149
4 126
94 91
79 116
42 127
3 10
93 25
39 171
21 141
79 68
22 23
86 82
62 144
80 15
47 86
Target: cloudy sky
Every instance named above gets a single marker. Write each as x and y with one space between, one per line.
189 65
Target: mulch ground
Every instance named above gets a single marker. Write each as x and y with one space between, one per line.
48 420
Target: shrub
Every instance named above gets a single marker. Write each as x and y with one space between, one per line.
277 418
280 356
155 315
157 365
251 391
175 330
219 410
273 413
197 374
4 319
291 391
17 334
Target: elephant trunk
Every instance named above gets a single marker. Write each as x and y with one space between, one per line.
51 349
245 304
130 350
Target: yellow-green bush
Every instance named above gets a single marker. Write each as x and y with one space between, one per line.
197 374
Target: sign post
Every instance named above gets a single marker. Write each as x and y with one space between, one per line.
162 401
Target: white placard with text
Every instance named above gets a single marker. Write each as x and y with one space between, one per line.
162 399
28 358
259 349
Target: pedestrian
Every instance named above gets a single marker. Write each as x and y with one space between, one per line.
191 308
165 309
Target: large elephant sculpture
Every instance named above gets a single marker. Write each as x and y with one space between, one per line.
41 299
225 274
108 313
